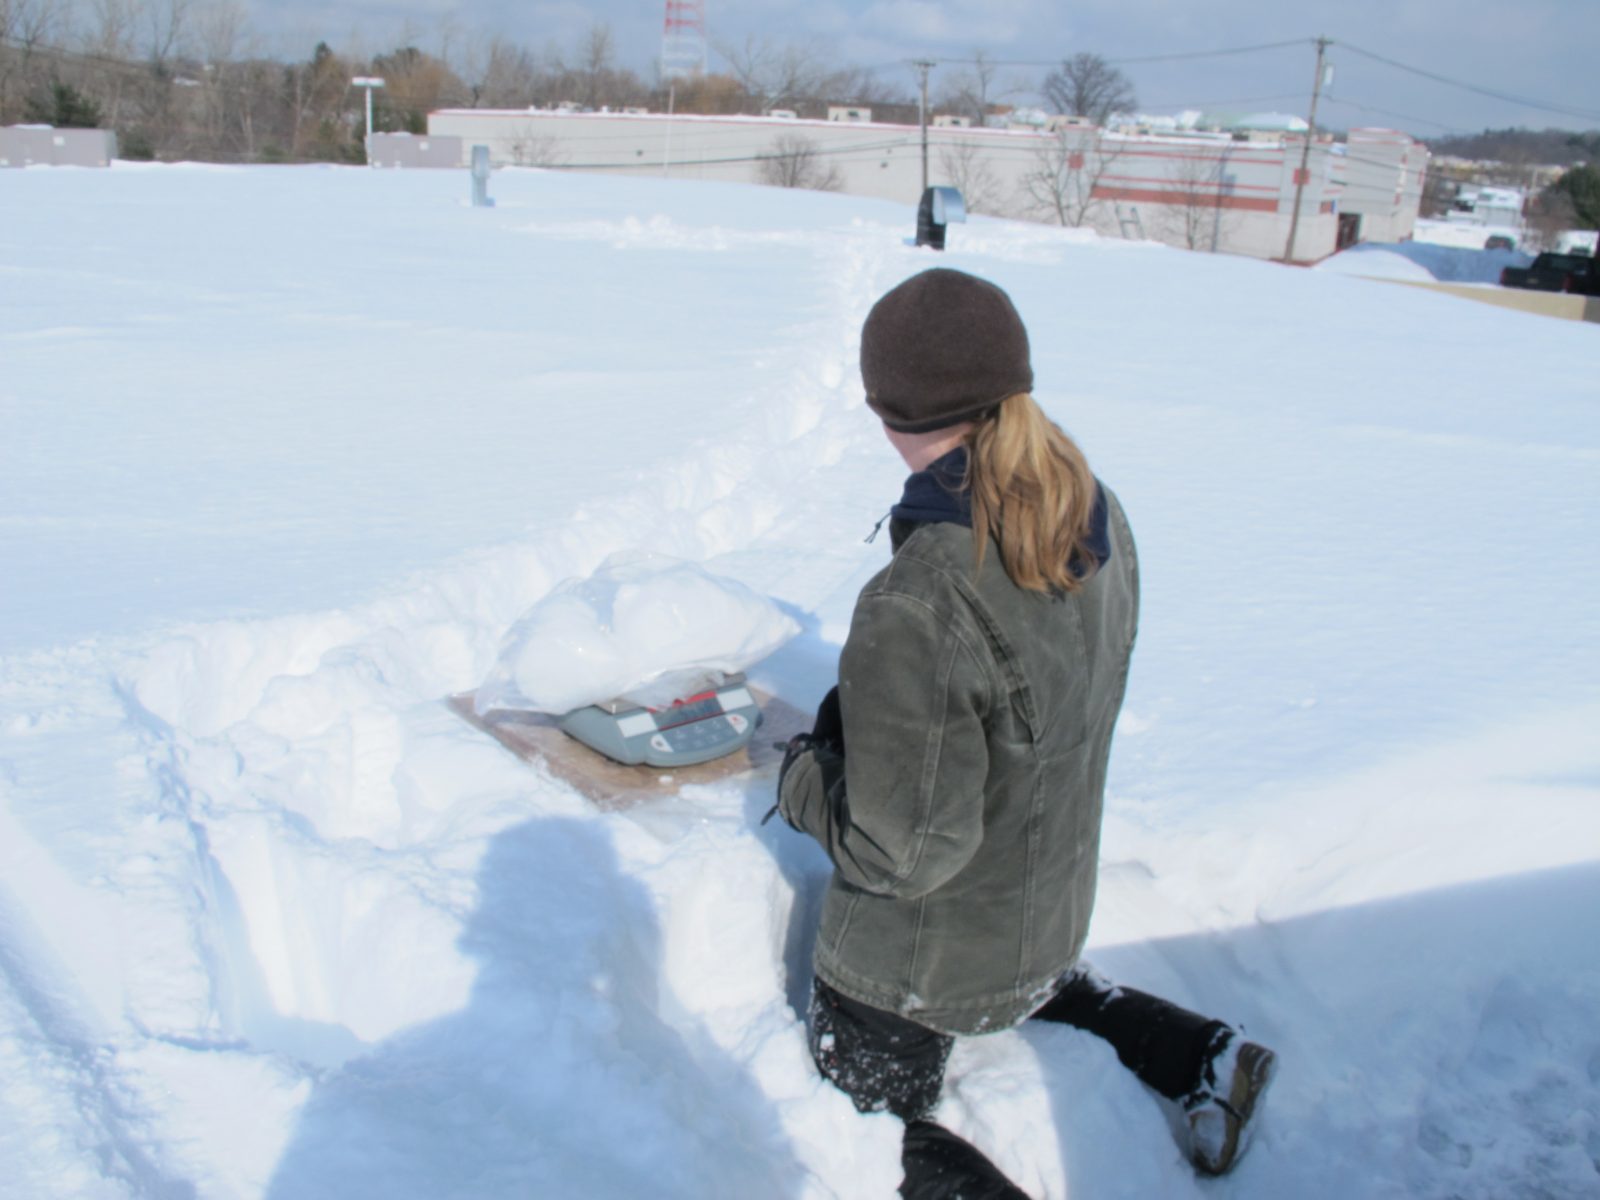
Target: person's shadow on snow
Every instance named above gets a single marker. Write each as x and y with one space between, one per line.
560 1077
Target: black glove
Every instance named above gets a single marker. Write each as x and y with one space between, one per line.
829 728
792 749
826 734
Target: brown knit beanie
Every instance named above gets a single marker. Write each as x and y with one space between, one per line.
942 348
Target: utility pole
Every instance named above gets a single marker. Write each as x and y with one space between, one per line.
666 150
1302 176
923 66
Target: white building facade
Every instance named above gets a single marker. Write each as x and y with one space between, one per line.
1383 172
1204 191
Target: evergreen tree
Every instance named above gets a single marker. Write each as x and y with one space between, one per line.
1582 188
65 107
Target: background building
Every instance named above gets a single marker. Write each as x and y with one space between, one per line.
1383 173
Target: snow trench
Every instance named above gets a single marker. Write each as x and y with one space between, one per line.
381 897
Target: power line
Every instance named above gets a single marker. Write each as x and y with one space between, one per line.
1212 53
1390 113
1147 58
1544 106
1219 103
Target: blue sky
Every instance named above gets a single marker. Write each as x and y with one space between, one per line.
1533 50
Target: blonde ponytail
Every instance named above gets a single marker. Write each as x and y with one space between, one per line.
1033 493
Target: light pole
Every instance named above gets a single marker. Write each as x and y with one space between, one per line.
367 83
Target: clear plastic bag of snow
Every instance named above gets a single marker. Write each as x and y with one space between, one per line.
642 628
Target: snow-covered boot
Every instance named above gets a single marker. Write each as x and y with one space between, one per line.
1216 1120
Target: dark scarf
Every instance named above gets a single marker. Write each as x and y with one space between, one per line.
937 493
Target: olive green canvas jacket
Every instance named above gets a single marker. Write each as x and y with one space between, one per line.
963 820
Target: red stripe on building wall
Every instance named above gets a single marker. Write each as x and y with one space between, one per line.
1157 196
1200 185
1260 158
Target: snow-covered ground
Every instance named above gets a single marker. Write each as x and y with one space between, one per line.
285 452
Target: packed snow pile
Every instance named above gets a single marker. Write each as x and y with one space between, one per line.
285 452
643 628
1447 264
1375 264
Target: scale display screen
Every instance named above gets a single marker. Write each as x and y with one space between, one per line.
698 730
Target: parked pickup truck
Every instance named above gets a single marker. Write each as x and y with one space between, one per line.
1554 273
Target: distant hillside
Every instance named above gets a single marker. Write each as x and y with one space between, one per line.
1555 147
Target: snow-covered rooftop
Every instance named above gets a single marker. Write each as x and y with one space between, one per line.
287 451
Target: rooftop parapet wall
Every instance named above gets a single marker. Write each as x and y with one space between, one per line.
44 145
1206 191
407 150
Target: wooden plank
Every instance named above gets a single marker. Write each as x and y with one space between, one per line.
613 786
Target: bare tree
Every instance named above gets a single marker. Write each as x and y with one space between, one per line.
1549 213
1196 213
166 26
28 23
965 166
1063 183
320 115
596 55
219 30
26 26
111 31
112 28
859 85
970 92
590 78
1086 85
796 162
500 75
530 148
775 75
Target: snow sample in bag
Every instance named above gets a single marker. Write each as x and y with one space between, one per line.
645 628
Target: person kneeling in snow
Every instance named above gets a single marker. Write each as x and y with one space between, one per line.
956 774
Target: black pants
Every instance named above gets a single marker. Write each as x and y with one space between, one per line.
886 1063
1162 1044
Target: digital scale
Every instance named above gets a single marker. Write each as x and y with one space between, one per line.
702 727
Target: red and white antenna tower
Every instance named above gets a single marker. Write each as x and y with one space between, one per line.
683 40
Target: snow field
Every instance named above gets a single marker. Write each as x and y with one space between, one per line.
274 922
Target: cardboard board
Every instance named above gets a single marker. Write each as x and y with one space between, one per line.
613 786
